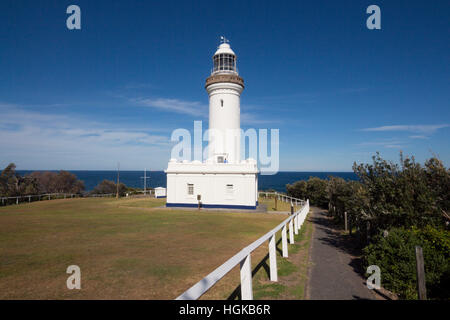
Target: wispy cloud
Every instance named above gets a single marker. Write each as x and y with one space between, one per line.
193 108
426 129
198 109
49 141
386 143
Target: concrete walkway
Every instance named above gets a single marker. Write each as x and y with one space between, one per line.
333 271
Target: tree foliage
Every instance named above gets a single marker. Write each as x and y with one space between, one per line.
108 187
12 184
408 202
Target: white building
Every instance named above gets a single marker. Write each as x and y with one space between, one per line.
160 192
223 180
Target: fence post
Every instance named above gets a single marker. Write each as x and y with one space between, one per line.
17 200
49 197
350 224
284 242
345 221
276 203
291 232
296 224
273 259
246 279
420 270
29 198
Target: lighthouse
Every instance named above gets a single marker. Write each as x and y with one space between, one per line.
224 88
223 179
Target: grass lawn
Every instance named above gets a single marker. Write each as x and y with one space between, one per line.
292 271
126 249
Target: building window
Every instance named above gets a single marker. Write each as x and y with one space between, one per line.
190 189
221 102
220 159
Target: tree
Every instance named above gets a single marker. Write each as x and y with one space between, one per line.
297 190
61 182
9 182
107 187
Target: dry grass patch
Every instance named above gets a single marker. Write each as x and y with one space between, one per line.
126 249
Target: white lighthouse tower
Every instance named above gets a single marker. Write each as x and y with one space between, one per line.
224 88
223 180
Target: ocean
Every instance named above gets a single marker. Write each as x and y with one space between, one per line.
135 179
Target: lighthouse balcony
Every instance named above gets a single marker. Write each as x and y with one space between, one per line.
221 78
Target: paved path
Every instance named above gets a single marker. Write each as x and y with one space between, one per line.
333 264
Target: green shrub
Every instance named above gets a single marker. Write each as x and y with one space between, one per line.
395 255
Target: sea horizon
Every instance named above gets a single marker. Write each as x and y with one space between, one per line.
134 178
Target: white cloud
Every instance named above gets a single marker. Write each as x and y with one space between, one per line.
193 108
35 140
425 129
419 137
387 143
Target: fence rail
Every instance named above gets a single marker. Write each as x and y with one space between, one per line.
282 197
243 258
47 196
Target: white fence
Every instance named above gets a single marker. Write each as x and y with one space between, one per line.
47 196
283 198
243 258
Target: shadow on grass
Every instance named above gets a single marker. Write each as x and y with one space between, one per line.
236 294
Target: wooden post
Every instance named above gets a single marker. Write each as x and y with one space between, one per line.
420 270
276 204
246 279
29 198
296 224
273 259
17 200
350 224
345 221
284 242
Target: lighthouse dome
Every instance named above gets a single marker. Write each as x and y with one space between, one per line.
225 49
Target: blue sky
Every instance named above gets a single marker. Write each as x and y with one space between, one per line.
116 89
